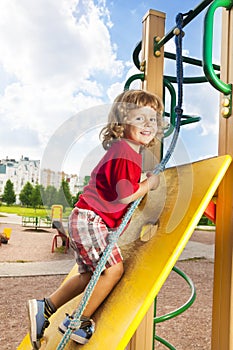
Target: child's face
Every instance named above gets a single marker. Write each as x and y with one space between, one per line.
141 125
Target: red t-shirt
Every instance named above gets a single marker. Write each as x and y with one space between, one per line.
117 175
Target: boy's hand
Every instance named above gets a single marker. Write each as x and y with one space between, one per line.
153 180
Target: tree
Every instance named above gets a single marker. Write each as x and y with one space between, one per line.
36 200
76 198
49 196
86 180
64 196
25 195
9 196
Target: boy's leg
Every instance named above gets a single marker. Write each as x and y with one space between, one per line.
70 289
107 281
105 284
40 310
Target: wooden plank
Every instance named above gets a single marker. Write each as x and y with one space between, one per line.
153 26
222 323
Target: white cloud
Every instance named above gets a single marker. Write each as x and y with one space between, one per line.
203 100
50 51
43 42
114 90
58 58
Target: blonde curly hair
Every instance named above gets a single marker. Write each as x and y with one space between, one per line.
123 103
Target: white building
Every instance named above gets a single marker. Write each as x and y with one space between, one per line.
75 184
19 172
26 170
49 177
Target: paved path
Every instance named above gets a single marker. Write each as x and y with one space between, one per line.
14 269
62 267
198 250
10 219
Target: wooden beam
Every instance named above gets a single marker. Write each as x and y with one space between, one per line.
153 27
222 323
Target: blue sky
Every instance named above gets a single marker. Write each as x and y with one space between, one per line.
60 57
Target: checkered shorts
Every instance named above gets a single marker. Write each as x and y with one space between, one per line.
89 237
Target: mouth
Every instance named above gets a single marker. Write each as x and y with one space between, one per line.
146 133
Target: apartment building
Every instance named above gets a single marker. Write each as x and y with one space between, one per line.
19 172
26 170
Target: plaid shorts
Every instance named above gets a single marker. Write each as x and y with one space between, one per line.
89 237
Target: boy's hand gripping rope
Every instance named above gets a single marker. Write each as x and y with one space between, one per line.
75 322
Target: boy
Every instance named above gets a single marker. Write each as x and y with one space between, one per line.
134 122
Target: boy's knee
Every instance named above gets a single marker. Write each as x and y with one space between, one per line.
116 271
120 266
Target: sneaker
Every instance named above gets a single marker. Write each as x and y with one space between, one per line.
80 335
38 322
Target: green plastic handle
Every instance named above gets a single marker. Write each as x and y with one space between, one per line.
212 77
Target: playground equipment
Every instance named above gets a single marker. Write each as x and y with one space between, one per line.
56 214
179 230
5 235
114 237
62 235
222 302
147 265
153 55
7 232
36 222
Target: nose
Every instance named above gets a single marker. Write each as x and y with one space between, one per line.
147 121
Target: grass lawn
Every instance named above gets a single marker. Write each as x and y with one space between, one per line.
23 211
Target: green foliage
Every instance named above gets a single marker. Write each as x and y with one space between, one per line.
25 195
9 196
49 196
205 221
86 180
36 199
64 196
76 198
37 196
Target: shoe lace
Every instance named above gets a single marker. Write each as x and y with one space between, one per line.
85 324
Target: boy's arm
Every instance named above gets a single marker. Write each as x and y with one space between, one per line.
151 183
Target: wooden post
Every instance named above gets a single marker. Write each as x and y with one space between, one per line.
222 325
143 337
153 26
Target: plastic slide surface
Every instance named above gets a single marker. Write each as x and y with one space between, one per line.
178 203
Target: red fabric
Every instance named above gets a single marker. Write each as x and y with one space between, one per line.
116 176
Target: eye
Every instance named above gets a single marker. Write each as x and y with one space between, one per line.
139 118
153 120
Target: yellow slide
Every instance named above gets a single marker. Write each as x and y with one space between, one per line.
178 203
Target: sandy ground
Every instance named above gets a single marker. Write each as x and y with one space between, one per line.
191 330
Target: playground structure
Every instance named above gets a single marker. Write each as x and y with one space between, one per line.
147 265
162 251
62 235
5 235
221 210
36 222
